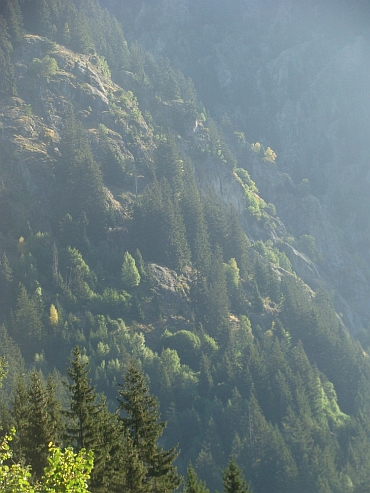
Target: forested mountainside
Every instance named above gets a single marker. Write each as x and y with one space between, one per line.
174 226
294 76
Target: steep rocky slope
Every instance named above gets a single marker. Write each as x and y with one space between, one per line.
33 121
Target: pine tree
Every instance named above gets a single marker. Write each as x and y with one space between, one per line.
141 420
168 162
6 285
135 472
13 356
91 426
193 484
28 327
205 383
38 431
213 301
20 415
196 228
237 244
81 34
44 23
233 480
54 409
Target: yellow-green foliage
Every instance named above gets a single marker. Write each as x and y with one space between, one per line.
53 316
254 203
272 254
232 273
330 405
256 148
13 478
103 66
129 273
67 472
267 155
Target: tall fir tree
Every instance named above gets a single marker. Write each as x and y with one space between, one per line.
232 479
38 432
90 425
195 225
142 422
28 328
54 409
20 415
193 484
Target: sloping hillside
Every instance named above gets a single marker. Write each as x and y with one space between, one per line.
137 227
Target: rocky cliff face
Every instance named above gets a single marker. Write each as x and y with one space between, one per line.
32 123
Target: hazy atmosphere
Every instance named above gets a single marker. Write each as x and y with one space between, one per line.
184 246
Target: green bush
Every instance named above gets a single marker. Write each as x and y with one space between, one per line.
43 68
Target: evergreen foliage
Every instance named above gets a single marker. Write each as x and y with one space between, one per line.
193 483
80 189
12 13
141 420
7 78
158 227
37 434
233 480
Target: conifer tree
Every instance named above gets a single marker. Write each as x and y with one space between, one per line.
168 161
205 383
91 426
193 484
233 480
133 478
142 422
20 415
28 316
54 409
237 244
37 434
195 224
158 227
82 430
213 301
6 284
28 326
